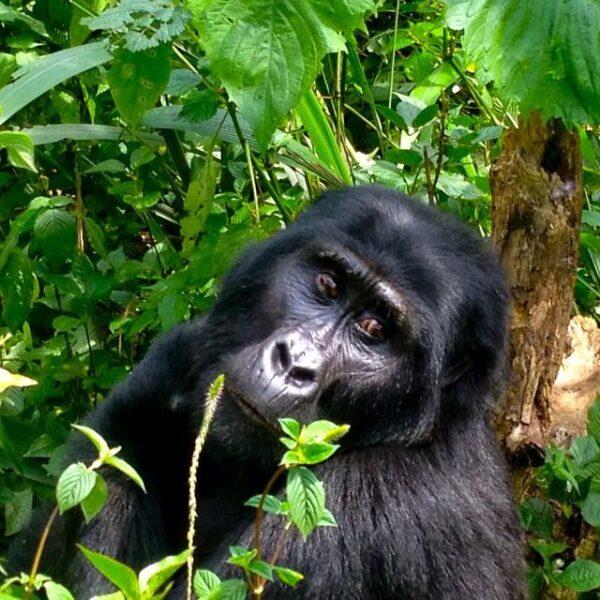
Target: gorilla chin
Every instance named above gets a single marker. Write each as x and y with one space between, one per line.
373 310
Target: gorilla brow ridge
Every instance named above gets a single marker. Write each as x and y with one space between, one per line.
366 273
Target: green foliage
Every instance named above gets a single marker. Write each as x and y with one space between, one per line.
267 64
137 79
552 66
143 24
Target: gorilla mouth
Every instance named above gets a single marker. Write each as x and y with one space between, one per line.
251 411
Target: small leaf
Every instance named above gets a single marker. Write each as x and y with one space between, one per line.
118 573
127 469
154 576
54 591
271 504
93 503
536 515
137 79
581 576
306 497
19 147
316 453
262 568
291 427
240 556
55 234
204 583
76 482
327 519
288 576
200 105
96 439
17 284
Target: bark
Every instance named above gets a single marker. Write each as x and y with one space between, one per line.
536 212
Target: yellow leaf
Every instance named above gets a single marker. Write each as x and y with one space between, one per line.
8 379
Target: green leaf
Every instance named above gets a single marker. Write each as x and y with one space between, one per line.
262 568
19 147
590 509
113 596
75 483
323 431
154 576
55 234
127 469
240 556
110 165
17 284
594 420
118 573
291 427
172 309
327 519
544 54
50 134
321 135
306 498
536 515
54 591
591 217
315 453
93 503
268 52
182 81
584 450
200 105
271 504
17 511
288 576
96 439
230 589
137 79
204 583
47 72
581 576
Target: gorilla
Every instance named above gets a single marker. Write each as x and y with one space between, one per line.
374 310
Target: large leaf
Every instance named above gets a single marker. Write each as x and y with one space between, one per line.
55 234
544 54
43 74
220 126
268 52
581 576
50 134
137 79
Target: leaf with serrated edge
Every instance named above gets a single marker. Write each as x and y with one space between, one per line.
75 483
306 497
127 469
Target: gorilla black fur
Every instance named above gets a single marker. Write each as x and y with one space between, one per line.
419 488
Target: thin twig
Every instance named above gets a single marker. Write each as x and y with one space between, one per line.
259 509
35 565
429 185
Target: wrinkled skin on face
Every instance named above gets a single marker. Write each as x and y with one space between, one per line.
371 310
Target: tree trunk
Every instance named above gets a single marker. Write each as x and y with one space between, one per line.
536 212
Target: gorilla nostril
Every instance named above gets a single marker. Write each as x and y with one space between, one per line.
281 356
301 376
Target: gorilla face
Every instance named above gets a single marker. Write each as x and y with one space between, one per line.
341 327
370 310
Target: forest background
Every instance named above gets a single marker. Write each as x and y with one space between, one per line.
144 143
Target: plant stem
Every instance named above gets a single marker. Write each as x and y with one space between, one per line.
259 509
176 151
210 403
38 552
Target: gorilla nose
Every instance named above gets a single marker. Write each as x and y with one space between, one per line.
296 360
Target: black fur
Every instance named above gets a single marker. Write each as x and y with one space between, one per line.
419 489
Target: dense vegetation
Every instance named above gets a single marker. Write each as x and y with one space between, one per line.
146 142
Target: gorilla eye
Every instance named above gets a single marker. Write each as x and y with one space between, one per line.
328 286
372 327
